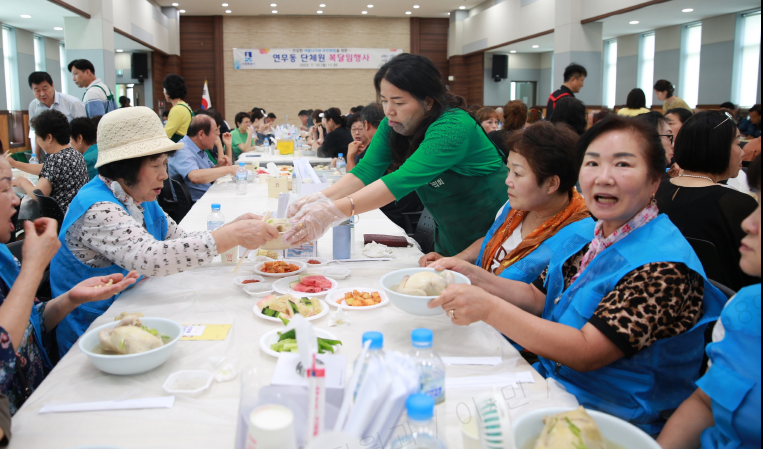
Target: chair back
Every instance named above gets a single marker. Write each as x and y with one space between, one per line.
49 208
167 200
725 290
708 256
182 196
15 249
424 234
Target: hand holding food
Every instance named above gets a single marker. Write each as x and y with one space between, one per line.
297 205
41 242
252 234
312 221
459 266
426 283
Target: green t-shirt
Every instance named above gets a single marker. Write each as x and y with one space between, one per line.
238 138
455 141
91 157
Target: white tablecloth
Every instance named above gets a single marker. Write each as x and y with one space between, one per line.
264 158
208 296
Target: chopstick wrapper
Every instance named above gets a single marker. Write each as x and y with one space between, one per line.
129 404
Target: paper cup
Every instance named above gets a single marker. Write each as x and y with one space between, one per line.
271 427
471 434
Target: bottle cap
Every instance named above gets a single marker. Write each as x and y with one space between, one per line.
422 338
215 206
420 407
377 339
240 164
341 154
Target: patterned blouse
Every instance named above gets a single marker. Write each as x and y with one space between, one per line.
653 302
108 234
67 173
25 366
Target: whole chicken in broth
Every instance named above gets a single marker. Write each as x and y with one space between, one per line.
426 283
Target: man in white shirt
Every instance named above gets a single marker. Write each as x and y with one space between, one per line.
46 97
98 97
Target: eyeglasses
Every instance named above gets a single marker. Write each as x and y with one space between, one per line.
669 136
728 117
357 130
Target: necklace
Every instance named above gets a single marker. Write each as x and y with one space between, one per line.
700 177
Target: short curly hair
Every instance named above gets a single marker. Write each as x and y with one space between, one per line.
175 86
54 123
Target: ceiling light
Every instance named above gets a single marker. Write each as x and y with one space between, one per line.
182 11
370 6
175 4
536 46
273 5
462 7
119 50
513 51
227 11
26 16
408 12
364 12
225 5
687 10
634 22
58 28
416 6
274 11
320 12
322 5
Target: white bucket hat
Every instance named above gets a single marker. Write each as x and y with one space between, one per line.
129 133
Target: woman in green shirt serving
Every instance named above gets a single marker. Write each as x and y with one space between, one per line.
426 143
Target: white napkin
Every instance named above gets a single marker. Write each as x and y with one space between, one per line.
375 250
129 404
499 380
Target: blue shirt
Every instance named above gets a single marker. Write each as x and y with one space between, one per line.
188 159
98 99
748 128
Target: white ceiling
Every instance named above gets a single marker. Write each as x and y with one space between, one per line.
382 8
45 16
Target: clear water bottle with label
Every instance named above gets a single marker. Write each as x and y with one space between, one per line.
241 175
430 365
33 178
423 432
376 350
216 219
341 164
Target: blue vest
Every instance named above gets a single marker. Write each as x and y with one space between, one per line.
9 271
661 376
66 271
733 380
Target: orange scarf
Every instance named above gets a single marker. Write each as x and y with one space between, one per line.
576 210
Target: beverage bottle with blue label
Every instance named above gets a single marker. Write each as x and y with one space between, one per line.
423 435
341 164
241 175
430 365
375 351
33 178
216 219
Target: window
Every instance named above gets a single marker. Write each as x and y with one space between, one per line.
691 45
10 65
610 72
39 54
747 59
646 66
64 71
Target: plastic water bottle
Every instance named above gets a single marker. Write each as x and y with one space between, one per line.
216 219
420 409
375 351
341 164
241 175
430 365
33 178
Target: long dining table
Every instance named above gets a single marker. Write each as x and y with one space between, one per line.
208 295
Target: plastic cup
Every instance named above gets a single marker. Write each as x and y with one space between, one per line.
271 427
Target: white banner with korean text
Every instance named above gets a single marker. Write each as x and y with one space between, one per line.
312 58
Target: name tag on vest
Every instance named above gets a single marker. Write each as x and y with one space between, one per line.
437 183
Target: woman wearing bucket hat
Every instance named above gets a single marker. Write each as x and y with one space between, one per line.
115 225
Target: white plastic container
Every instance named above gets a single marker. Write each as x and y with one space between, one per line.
240 280
271 427
188 382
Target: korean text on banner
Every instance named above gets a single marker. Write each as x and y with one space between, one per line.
312 58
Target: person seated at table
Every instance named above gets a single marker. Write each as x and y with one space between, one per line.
84 134
542 203
618 316
489 119
750 127
318 131
534 115
244 137
359 141
192 162
64 171
635 104
571 111
751 150
514 118
26 324
258 120
369 119
660 124
676 119
663 90
724 412
179 118
115 224
304 118
219 147
708 151
338 137
5 420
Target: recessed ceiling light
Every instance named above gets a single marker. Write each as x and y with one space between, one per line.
513 51
225 5
687 10
370 6
26 16
536 46
182 11
634 22
119 50
462 7
408 12
58 28
416 6
227 11
274 11
322 5
364 12
175 4
273 5
320 12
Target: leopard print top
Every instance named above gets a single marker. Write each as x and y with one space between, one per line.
653 302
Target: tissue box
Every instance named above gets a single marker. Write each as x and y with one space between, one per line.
285 146
277 186
306 250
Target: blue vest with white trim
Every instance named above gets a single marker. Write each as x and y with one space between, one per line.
657 378
67 271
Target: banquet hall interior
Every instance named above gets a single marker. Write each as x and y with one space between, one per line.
380 224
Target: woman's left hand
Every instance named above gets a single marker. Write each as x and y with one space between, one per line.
465 304
101 287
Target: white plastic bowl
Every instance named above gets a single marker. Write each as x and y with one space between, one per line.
414 305
240 280
614 429
129 364
199 378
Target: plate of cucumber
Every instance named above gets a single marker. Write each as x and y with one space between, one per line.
278 342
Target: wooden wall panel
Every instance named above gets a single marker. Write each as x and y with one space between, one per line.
161 66
429 37
197 57
458 70
475 65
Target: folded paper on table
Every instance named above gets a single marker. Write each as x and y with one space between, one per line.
129 404
205 332
498 380
486 361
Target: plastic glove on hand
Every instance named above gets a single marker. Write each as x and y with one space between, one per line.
296 206
312 221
